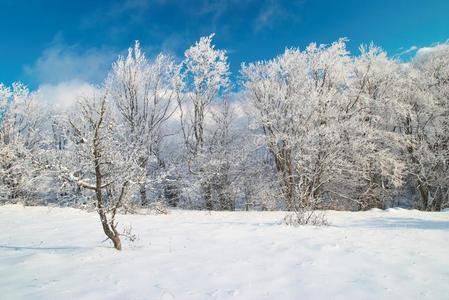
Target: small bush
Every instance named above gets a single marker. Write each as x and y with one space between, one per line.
306 217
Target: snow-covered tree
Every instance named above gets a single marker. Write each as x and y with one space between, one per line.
425 94
373 142
20 137
323 129
102 161
296 99
205 74
225 154
144 94
328 121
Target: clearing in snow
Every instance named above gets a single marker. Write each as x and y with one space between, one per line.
60 253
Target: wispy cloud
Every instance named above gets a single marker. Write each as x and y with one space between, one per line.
118 15
61 62
268 12
406 52
273 11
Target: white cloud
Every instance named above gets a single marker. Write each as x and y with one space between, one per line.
60 63
62 96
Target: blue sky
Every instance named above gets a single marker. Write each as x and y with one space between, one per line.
51 41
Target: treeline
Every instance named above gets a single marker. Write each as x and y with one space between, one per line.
317 128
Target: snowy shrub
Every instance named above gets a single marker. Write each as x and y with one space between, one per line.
158 208
306 217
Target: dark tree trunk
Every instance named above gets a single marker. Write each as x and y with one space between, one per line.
207 190
143 195
424 195
109 227
110 231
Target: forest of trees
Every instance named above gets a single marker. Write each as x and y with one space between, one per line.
310 129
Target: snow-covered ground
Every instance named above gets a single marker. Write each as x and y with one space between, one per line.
59 253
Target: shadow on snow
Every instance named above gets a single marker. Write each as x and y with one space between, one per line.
392 223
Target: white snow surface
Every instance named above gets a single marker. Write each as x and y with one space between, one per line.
60 253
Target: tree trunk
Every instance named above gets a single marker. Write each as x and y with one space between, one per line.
207 190
110 230
143 195
424 194
108 227
117 243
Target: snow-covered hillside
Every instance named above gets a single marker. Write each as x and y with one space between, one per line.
55 253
